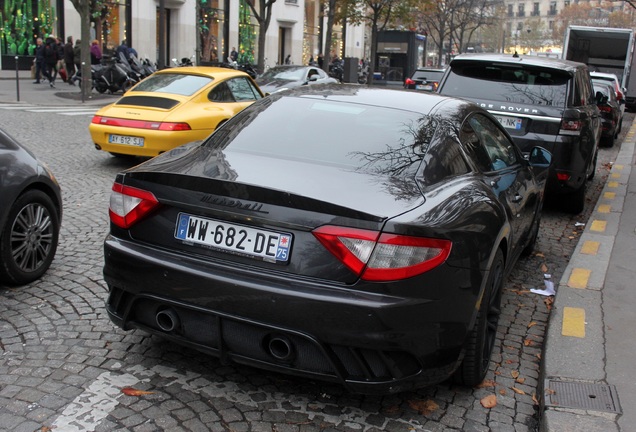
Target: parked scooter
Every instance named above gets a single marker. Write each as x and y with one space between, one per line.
112 77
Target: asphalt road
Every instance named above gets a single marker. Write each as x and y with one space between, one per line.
65 367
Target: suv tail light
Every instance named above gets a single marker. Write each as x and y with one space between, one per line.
605 108
375 256
409 81
571 127
129 205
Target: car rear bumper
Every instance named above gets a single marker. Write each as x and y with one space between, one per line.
370 343
154 142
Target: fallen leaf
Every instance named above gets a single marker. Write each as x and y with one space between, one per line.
532 324
544 268
549 391
423 407
486 383
129 391
528 342
534 399
509 361
520 380
540 254
502 392
514 374
489 401
516 390
391 410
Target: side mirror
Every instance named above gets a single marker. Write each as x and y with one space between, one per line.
540 157
313 78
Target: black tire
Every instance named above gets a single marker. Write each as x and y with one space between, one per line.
534 234
482 337
620 127
609 141
29 238
574 203
592 172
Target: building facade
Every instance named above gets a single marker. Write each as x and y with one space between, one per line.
204 30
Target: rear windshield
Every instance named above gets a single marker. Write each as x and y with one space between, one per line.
507 83
181 84
352 136
428 75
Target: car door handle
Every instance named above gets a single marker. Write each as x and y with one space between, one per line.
517 199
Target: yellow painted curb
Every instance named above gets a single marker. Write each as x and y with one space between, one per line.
604 208
579 278
610 195
573 322
598 226
612 184
590 247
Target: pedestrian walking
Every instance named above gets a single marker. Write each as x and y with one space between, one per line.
50 60
59 66
288 59
69 60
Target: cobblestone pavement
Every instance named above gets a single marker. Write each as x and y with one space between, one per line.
65 367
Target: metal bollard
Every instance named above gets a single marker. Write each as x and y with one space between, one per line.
82 81
17 78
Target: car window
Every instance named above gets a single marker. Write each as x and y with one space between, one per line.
427 75
489 146
242 89
507 82
221 93
181 84
375 140
291 74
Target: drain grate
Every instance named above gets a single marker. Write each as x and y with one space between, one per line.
584 396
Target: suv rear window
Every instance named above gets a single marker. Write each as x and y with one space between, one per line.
508 82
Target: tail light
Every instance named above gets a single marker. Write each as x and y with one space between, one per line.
375 256
435 85
129 205
605 108
571 127
409 81
140 124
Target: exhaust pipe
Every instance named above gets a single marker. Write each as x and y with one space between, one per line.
167 320
281 348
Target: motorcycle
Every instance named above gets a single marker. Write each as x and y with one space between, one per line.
336 69
112 77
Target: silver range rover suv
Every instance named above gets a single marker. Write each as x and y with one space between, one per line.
541 102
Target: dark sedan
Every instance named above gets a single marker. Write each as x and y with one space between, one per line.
279 78
610 109
373 256
30 214
424 79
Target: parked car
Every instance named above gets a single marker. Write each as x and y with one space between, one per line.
612 79
425 79
30 214
172 107
610 111
283 77
375 259
540 101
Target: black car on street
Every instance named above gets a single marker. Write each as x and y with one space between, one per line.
375 258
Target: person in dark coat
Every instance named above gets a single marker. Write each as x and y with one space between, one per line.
69 60
50 59
40 67
77 54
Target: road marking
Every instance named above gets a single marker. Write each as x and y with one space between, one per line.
590 247
67 110
604 208
91 407
610 195
612 184
59 109
579 278
616 175
573 322
598 226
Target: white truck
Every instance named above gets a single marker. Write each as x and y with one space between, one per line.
603 49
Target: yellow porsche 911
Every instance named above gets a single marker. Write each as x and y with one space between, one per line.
170 108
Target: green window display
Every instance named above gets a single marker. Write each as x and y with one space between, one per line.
22 22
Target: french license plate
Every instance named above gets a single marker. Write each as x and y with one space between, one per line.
126 140
510 122
267 245
426 87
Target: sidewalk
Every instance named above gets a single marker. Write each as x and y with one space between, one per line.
590 346
23 90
